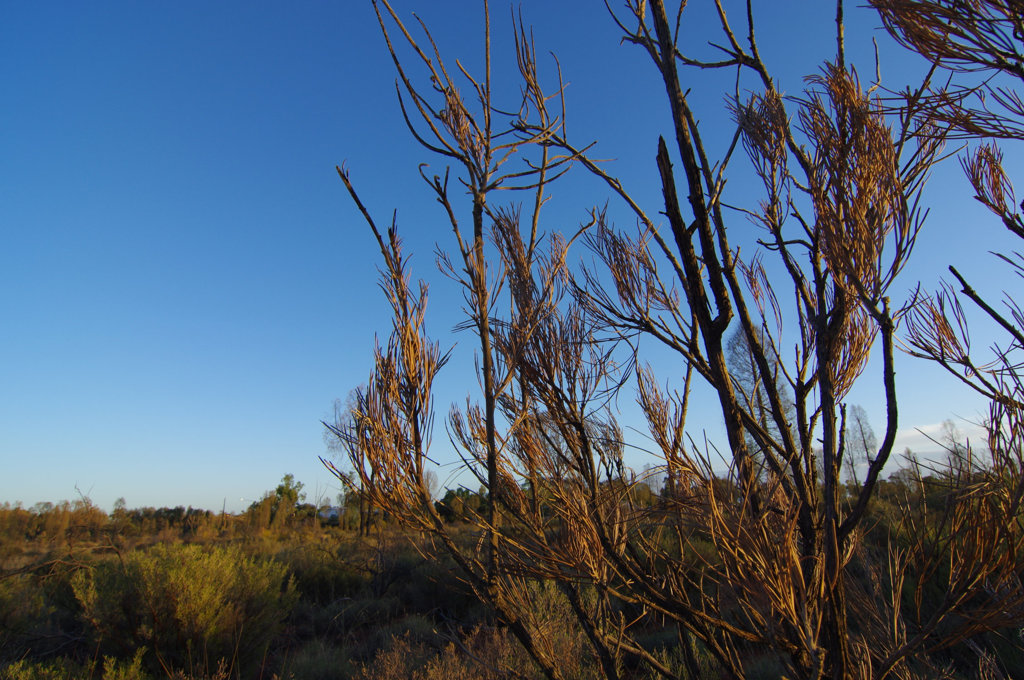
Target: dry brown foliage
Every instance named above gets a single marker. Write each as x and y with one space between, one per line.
769 558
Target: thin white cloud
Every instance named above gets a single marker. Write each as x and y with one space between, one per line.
927 440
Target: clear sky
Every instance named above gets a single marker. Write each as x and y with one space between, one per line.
184 285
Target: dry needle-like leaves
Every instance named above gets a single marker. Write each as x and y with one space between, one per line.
862 215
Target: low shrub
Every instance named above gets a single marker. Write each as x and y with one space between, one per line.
23 611
65 669
191 605
318 660
38 612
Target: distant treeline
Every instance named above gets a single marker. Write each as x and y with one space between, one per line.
285 508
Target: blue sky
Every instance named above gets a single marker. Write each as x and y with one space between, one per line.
184 285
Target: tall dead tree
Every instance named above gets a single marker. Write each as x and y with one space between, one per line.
786 574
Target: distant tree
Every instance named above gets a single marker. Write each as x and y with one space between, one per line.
289 492
277 507
451 506
860 440
461 504
341 435
750 384
42 508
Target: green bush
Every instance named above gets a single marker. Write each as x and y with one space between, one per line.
190 605
56 669
65 669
